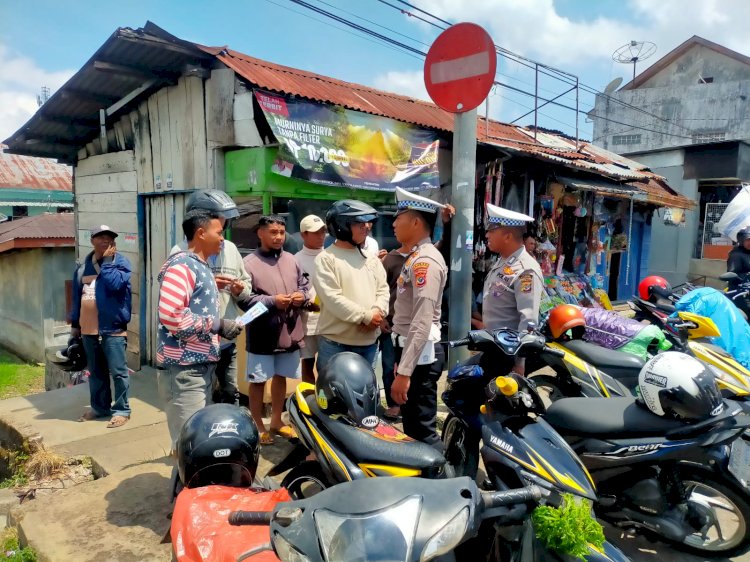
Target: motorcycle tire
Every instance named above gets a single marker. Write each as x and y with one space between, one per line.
305 480
461 446
550 389
698 481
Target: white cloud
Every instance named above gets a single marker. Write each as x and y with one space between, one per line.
21 79
405 82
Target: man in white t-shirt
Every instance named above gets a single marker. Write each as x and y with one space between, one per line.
371 245
313 232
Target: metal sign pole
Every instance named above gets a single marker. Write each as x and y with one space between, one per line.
462 230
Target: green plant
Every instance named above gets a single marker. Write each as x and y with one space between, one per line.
17 463
11 549
568 529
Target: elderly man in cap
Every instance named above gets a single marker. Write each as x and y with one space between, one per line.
416 318
101 312
514 286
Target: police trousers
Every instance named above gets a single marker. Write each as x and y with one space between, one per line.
419 414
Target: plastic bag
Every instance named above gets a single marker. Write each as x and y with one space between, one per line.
737 214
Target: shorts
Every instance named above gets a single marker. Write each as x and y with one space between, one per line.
310 349
261 368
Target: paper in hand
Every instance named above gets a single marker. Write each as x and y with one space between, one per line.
257 310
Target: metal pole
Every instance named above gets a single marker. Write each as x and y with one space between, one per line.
536 95
487 115
577 91
630 243
461 253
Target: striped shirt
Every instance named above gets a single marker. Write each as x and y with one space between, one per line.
188 309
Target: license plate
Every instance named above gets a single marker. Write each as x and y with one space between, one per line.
739 461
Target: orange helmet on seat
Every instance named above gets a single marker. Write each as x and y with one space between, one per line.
564 317
653 285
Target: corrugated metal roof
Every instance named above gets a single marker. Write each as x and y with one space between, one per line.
51 225
27 172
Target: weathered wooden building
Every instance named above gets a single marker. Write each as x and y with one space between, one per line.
151 117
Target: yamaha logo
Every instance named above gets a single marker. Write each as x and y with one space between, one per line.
500 444
220 428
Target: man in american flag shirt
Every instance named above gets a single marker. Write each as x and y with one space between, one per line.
189 322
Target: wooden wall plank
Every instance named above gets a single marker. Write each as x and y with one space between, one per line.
106 183
155 137
119 136
122 161
139 122
220 107
165 138
110 202
178 132
195 94
187 139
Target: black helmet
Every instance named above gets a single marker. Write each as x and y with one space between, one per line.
347 386
213 200
342 214
743 235
219 444
72 357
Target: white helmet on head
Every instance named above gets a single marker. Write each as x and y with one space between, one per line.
676 385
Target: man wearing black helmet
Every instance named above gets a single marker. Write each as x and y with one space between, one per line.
232 280
739 262
351 286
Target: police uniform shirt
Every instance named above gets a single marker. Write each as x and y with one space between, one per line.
512 292
419 293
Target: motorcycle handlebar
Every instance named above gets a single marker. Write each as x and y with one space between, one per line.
511 497
250 518
459 343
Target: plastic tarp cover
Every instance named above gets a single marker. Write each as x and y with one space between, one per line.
608 329
735 331
200 531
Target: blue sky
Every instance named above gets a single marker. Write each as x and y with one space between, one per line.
44 42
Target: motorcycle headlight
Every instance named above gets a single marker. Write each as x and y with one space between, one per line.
447 538
379 536
286 551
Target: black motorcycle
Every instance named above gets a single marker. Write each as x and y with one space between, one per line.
685 483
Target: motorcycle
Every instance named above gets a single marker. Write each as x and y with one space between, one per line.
684 483
385 519
516 448
345 452
738 295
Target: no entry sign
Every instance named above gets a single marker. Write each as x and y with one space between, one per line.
460 67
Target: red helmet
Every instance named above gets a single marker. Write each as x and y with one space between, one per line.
564 317
647 286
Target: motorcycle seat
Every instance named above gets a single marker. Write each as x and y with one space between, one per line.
614 417
610 361
364 445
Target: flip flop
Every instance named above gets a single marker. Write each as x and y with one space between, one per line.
88 415
117 421
285 431
389 414
266 438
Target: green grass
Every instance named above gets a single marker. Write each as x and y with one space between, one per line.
18 378
10 549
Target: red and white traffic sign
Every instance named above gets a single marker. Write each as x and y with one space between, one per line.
460 67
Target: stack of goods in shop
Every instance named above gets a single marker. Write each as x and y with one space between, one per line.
581 290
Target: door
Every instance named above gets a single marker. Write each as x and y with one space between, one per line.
628 279
163 229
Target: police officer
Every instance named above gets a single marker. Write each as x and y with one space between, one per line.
514 286
416 319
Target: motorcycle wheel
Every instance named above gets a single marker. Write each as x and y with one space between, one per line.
461 449
305 480
550 389
727 533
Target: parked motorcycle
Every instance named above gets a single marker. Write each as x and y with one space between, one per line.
386 519
685 483
739 295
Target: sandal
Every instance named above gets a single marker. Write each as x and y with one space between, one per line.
266 438
392 414
88 415
285 431
117 421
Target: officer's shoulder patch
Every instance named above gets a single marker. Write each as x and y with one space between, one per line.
527 281
419 271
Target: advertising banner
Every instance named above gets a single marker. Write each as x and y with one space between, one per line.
331 145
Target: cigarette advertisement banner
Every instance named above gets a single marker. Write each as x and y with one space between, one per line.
330 145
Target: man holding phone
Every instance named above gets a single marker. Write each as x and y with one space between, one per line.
100 315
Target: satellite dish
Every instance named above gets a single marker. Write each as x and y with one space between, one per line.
612 86
632 52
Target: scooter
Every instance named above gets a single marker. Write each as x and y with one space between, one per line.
516 448
386 519
684 483
738 295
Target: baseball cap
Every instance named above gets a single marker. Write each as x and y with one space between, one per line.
311 223
102 229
